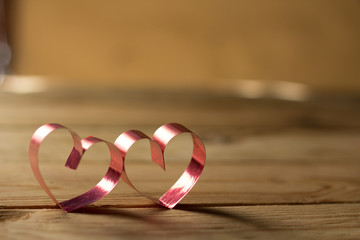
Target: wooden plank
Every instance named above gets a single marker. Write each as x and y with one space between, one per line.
225 143
279 171
152 108
221 183
326 221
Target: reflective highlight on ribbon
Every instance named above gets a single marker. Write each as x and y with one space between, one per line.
118 151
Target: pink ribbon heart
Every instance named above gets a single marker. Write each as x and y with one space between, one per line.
107 183
158 143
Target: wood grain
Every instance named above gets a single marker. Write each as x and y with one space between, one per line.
275 170
221 184
329 221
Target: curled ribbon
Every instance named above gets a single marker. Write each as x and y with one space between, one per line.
118 151
160 139
107 183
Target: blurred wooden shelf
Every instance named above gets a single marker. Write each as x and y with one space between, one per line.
275 169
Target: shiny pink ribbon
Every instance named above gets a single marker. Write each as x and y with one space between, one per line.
118 151
107 183
160 139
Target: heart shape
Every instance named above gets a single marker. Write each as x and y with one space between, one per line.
106 184
158 142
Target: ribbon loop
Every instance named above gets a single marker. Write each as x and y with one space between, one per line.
107 183
158 143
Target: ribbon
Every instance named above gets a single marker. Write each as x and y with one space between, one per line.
118 151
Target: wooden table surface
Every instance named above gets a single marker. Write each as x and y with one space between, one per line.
274 170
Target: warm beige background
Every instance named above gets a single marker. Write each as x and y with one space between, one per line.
188 43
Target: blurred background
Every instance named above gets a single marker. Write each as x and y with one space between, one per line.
271 87
269 83
252 49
